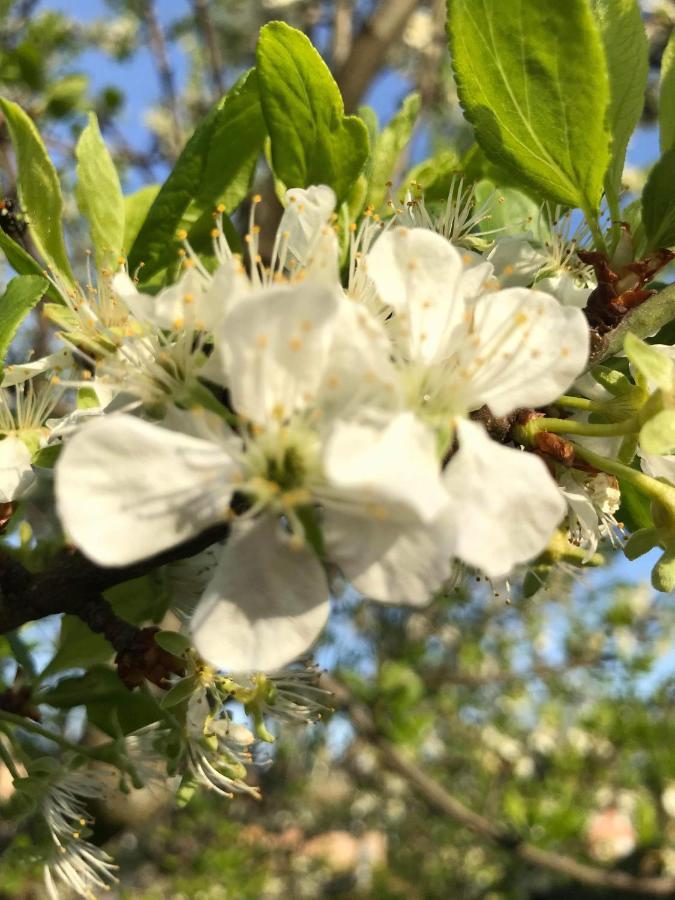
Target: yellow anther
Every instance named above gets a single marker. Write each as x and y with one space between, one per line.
262 341
295 344
306 325
521 319
188 298
257 198
220 208
181 234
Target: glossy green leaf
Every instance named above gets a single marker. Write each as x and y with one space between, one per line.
651 363
625 42
313 142
214 167
511 211
523 71
658 203
99 194
136 209
388 148
667 97
39 189
172 642
180 691
658 434
21 295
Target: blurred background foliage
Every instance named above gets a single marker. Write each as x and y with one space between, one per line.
551 717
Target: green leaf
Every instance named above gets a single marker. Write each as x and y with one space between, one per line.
658 203
214 166
643 321
658 434
635 509
39 189
107 700
99 194
512 211
651 363
23 262
435 176
21 295
136 209
626 50
523 71
640 542
313 142
180 691
387 150
46 457
663 573
172 642
667 97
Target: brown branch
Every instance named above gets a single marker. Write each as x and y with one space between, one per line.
342 32
370 48
157 45
74 584
209 39
443 802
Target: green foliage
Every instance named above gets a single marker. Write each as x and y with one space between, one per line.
99 194
434 176
388 148
658 434
214 167
110 705
21 295
536 112
312 141
667 97
658 203
136 209
39 188
625 44
512 211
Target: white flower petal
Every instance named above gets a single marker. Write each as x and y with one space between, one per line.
16 473
658 466
17 374
276 346
565 289
515 261
305 227
389 562
126 489
393 469
266 604
359 372
526 351
504 502
419 274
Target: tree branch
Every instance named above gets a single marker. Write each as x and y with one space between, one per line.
159 53
369 50
209 39
443 802
74 584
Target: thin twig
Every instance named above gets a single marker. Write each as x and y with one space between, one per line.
369 50
158 49
209 39
440 800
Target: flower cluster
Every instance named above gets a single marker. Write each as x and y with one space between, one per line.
379 426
